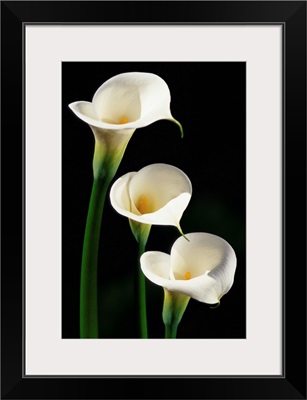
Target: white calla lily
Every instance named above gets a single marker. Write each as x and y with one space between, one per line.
122 104
127 101
202 268
157 194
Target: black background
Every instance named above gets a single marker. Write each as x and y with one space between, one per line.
209 101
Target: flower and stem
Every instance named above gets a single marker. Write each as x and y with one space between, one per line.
121 105
158 194
202 268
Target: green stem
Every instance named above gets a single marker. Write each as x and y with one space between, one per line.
88 287
171 331
141 233
141 295
174 306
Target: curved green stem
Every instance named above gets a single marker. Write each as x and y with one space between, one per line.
141 296
109 150
141 233
88 287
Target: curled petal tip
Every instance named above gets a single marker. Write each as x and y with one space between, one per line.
216 305
180 127
181 233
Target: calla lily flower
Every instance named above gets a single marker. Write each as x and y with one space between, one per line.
158 194
201 268
122 104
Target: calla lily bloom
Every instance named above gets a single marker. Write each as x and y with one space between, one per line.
158 194
201 268
122 104
127 101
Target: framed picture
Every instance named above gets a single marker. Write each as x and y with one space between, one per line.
158 192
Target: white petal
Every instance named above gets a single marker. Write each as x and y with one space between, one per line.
204 289
202 253
166 189
119 194
118 97
85 111
160 182
170 214
156 266
209 259
141 98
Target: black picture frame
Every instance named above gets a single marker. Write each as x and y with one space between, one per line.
292 16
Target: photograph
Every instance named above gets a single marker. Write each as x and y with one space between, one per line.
185 176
